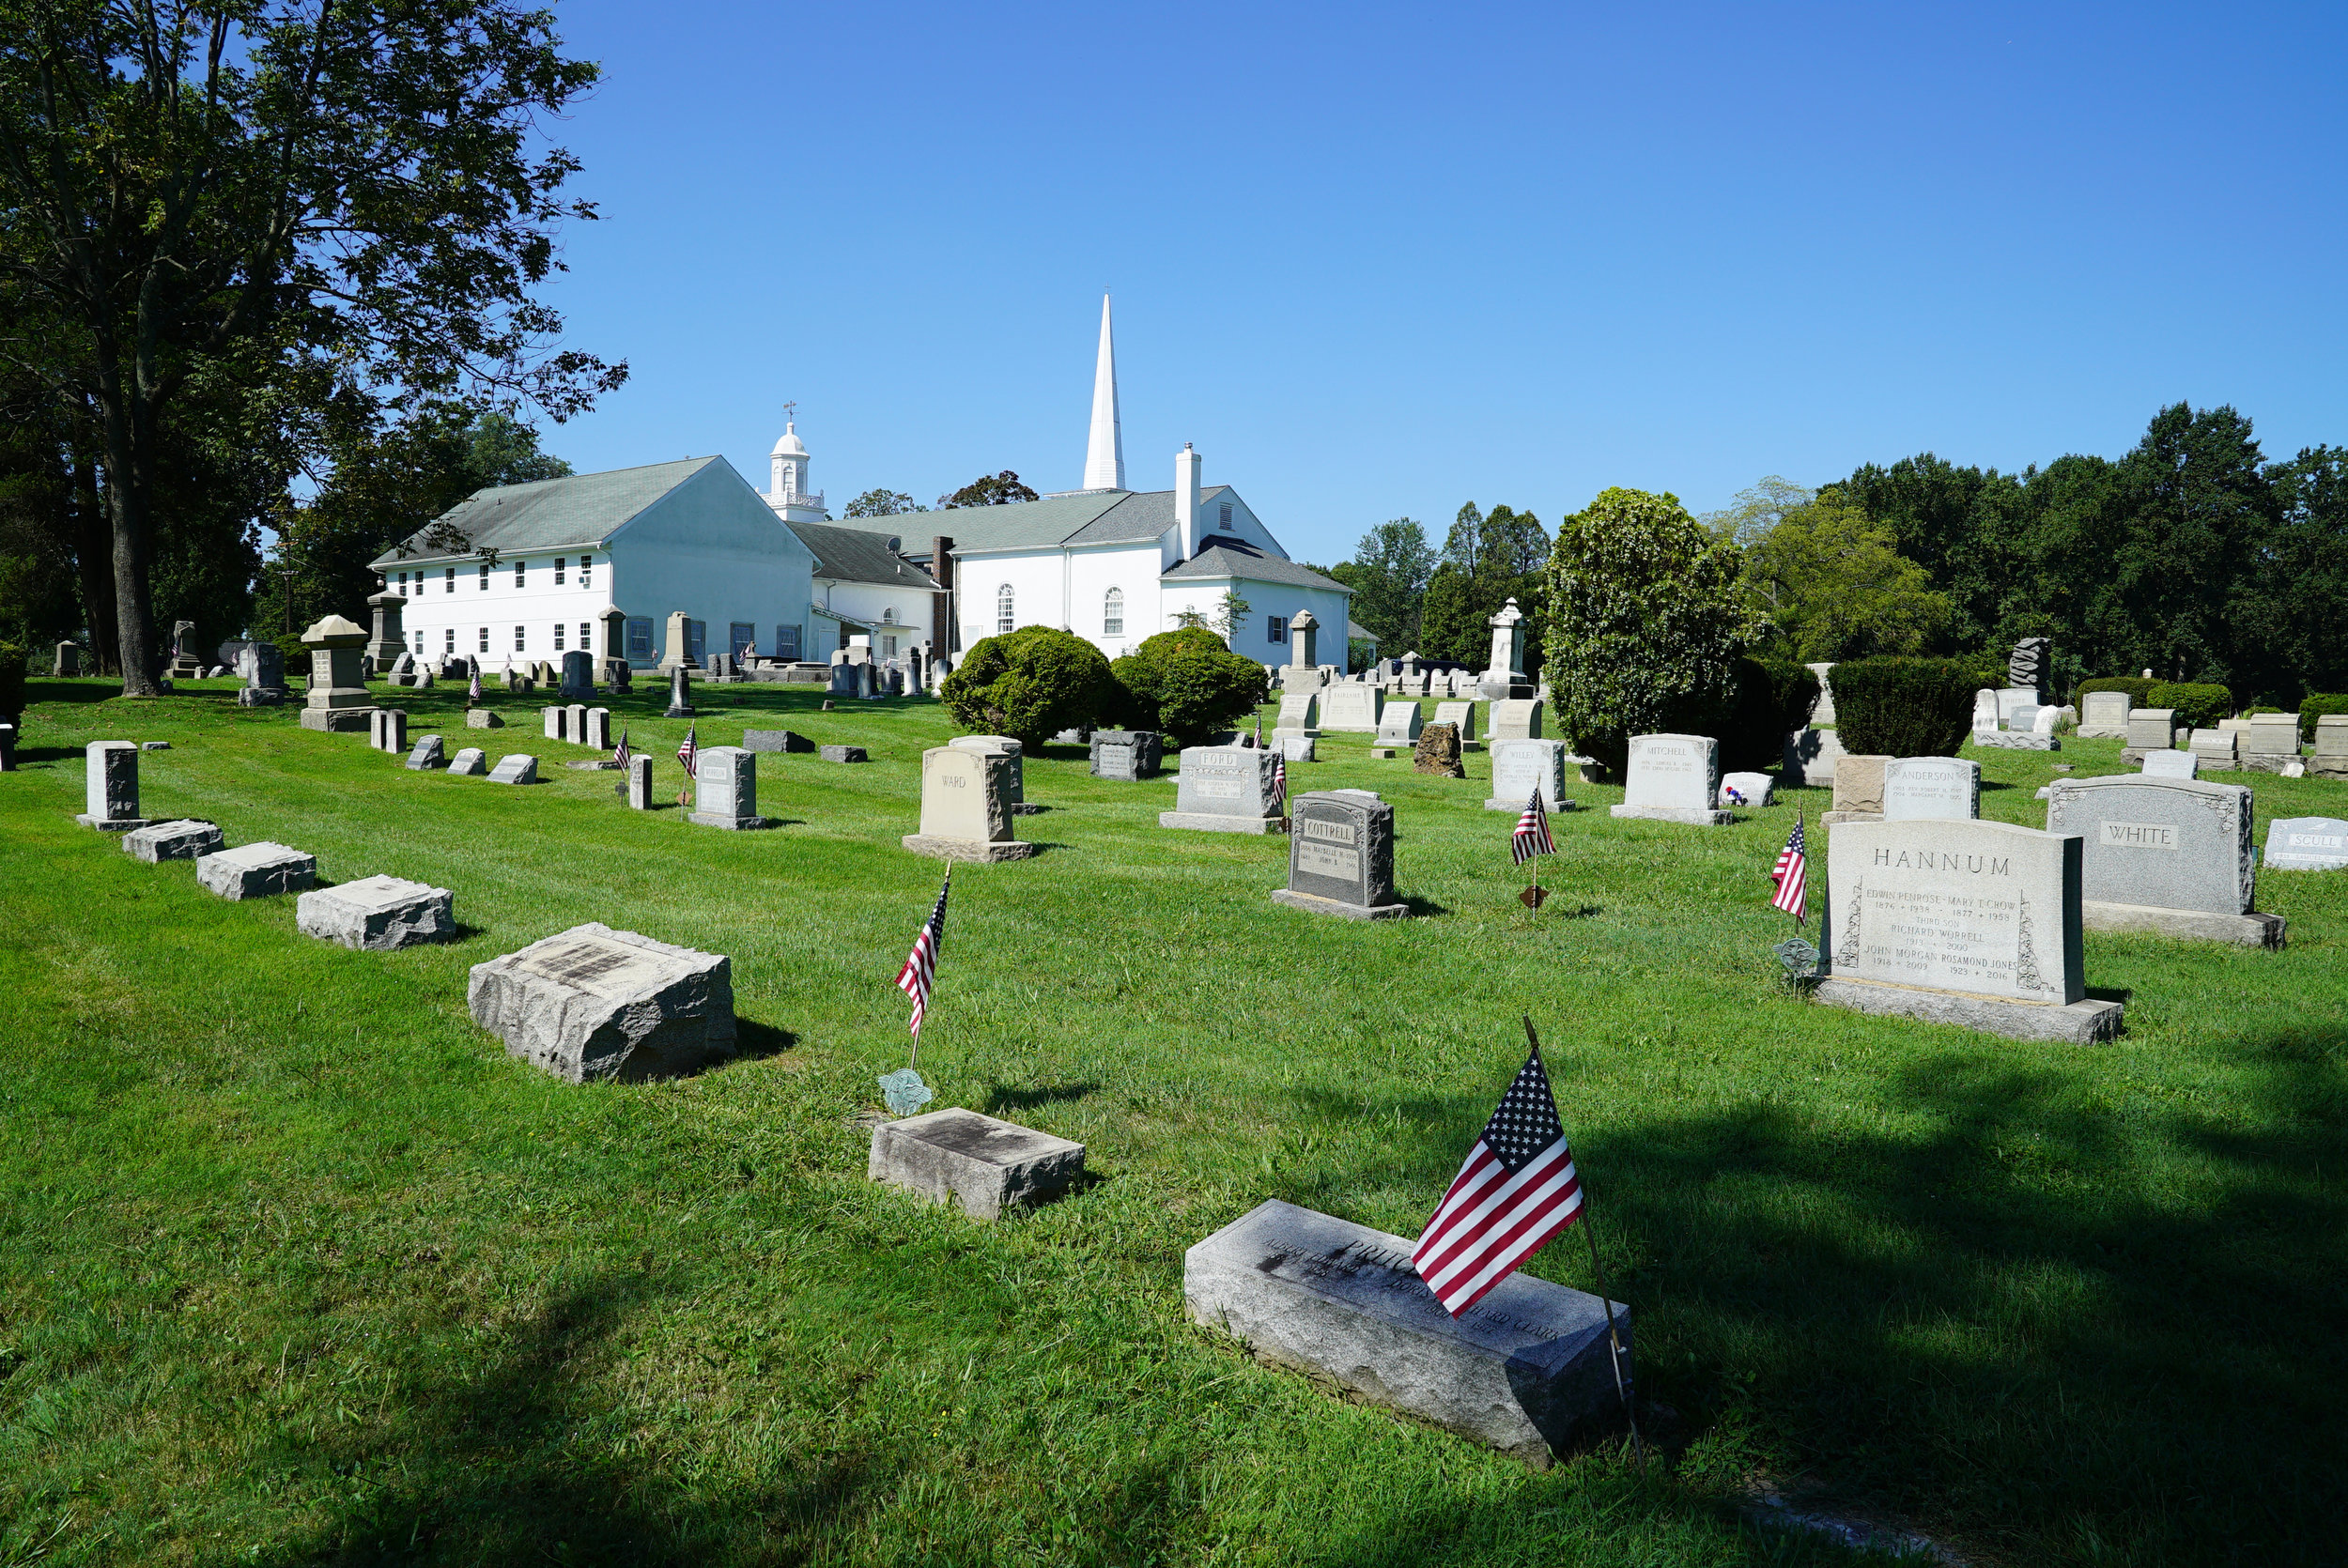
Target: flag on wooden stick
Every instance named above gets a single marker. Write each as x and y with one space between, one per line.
1280 785
1532 835
687 752
620 754
920 968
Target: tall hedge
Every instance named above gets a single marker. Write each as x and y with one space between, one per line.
11 680
1771 699
1187 683
1029 684
1896 707
2199 705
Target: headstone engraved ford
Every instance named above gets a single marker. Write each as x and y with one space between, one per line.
1398 728
1517 719
1352 707
2171 764
725 789
1521 766
377 914
261 870
1971 923
2104 716
184 839
1674 778
1341 856
1930 788
1129 754
966 807
2172 856
985 1164
1224 788
2306 844
1462 716
1528 1370
592 1002
110 787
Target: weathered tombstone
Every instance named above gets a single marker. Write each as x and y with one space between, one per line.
2167 855
1747 789
640 781
518 768
403 666
377 914
471 763
1520 767
262 664
1528 1370
2216 749
1971 923
725 789
2330 760
1224 788
428 752
575 723
1354 708
846 681
186 663
338 700
1300 714
261 870
775 740
985 1165
388 730
2270 741
1437 752
68 660
2043 722
1810 757
1517 719
966 806
1398 728
597 729
2171 764
1341 856
579 676
1673 779
680 695
592 1002
1857 789
184 839
390 639
1001 745
1460 717
1127 754
1303 672
110 787
2104 716
1930 789
677 651
558 722
421 680
844 753
2306 844
1822 711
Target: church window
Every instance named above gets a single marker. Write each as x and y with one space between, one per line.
559 563
888 615
1226 514
448 583
521 572
586 646
485 639
1275 628
484 583
586 571
1003 613
741 639
888 648
640 639
1113 613
450 646
403 585
558 636
518 646
787 642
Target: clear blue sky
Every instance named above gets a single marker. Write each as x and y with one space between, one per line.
1377 261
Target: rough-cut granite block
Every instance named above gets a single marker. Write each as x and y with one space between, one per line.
257 870
184 839
377 913
985 1164
595 1003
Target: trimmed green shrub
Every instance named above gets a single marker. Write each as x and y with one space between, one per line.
1905 707
1187 683
2139 690
11 680
2198 706
1029 684
2314 706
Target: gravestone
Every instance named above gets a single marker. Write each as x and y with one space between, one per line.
110 787
1857 789
1437 753
401 665
2167 855
262 664
1129 754
1822 711
557 723
428 752
725 789
520 768
2104 716
574 724
388 730
985 1165
185 839
1504 676
1354 708
68 660
1986 719
2330 760
1003 746
1971 923
377 914
1516 719
1303 671
775 740
2148 729
1930 789
598 722
2031 665
966 806
186 663
680 695
2270 741
8 746
1300 714
1747 789
2306 844
844 753
1341 856
422 679
1521 766
1398 728
592 1002
1224 788
471 763
579 675
681 634
1460 717
1810 757
390 639
2171 764
846 680
2216 748
261 870
1296 748
2043 722
338 700
1673 779
1529 1369
640 781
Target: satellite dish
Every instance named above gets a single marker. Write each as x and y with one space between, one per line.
895 543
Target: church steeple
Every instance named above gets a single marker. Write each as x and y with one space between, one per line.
1104 452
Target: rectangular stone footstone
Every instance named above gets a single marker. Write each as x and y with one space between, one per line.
639 783
592 1002
775 740
520 768
388 730
1528 1370
1224 788
471 763
377 914
482 718
842 754
1746 790
986 1165
1341 856
261 870
428 752
184 839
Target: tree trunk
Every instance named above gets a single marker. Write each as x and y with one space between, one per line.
93 564
128 476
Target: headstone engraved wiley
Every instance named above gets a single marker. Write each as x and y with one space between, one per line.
1341 856
1971 923
1462 715
1129 754
1928 787
110 787
1674 778
1517 719
1521 766
966 807
2171 764
377 914
1528 1370
1354 707
2172 856
2306 844
985 1165
1224 788
255 871
592 1002
725 789
2104 716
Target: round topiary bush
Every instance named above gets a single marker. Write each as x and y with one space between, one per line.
1029 684
1892 707
1188 685
2196 703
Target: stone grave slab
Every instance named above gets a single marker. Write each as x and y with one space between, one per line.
1224 788
2171 764
1341 856
256 870
2330 760
2167 855
985 1164
428 752
1398 728
1673 779
1462 715
2152 728
518 768
844 753
1919 789
579 677
1299 715
2306 844
592 1002
482 718
1516 718
557 723
184 839
1528 1370
1519 766
2218 750
640 782
1748 790
2104 716
1128 755
575 723
1296 748
1857 789
966 806
598 728
377 914
1351 707
110 787
774 741
725 789
471 763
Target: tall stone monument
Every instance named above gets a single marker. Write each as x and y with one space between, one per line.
683 634
263 666
388 639
1303 671
1503 676
338 700
186 663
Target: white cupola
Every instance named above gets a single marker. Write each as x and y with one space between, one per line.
791 498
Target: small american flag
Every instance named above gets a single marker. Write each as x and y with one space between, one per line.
1517 1191
1280 785
620 754
1532 835
687 752
473 692
1791 874
1257 742
920 968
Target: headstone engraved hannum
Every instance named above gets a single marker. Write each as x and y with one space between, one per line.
966 806
377 914
1341 856
110 787
1520 767
1930 788
2163 764
2306 844
592 1002
1674 778
1516 718
1528 1370
1462 716
1351 707
256 870
184 839
2172 856
985 1164
1971 923
725 789
1129 754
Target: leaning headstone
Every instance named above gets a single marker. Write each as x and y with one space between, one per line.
2167 855
2171 764
110 787
1520 767
962 1156
1127 754
1517 719
184 839
1810 757
775 740
1971 923
966 806
640 781
261 870
579 675
471 763
1224 789
1673 779
2104 716
725 789
1857 789
1460 717
1341 856
1529 1369
592 1002
844 753
518 768
428 752
1437 753
1747 789
1296 748
1352 708
1930 789
377 914
2306 844
1398 728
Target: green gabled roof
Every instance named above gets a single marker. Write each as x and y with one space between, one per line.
1022 526
578 509
852 554
1222 556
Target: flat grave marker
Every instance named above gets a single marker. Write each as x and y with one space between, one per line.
592 1002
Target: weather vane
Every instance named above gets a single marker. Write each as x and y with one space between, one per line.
788 410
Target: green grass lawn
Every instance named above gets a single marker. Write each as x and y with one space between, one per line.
299 1266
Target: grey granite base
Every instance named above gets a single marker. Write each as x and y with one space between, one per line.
1519 806
842 754
2267 762
987 1166
1830 818
2081 1023
183 840
1385 753
1207 822
2246 930
1319 905
2015 740
2102 732
337 721
257 870
377 914
967 849
593 1003
113 825
725 819
1696 816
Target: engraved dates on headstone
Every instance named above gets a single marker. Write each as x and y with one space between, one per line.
1341 856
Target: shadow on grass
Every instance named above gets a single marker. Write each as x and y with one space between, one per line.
755 1042
1001 1100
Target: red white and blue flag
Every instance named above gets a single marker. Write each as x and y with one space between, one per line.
921 970
620 754
1517 1191
1791 874
1532 835
1280 785
472 692
687 752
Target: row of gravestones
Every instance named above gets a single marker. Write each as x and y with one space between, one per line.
1355 708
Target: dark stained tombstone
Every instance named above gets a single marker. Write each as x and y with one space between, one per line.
1437 753
1341 856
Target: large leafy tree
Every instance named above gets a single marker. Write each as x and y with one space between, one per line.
1834 586
988 490
1489 559
884 503
306 192
1388 574
2292 605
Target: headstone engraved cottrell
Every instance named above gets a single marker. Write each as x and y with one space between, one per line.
1527 1370
1129 754
725 789
592 1002
1520 767
1930 788
2306 844
2172 856
110 787
1354 707
255 871
1224 788
985 1165
184 839
966 807
1674 778
1971 923
377 914
1341 856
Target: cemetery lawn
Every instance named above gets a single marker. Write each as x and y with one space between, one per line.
299 1266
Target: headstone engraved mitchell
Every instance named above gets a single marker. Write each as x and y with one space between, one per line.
1674 778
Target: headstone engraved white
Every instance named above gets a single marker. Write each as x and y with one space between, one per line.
1224 789
1926 787
2167 855
1673 779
